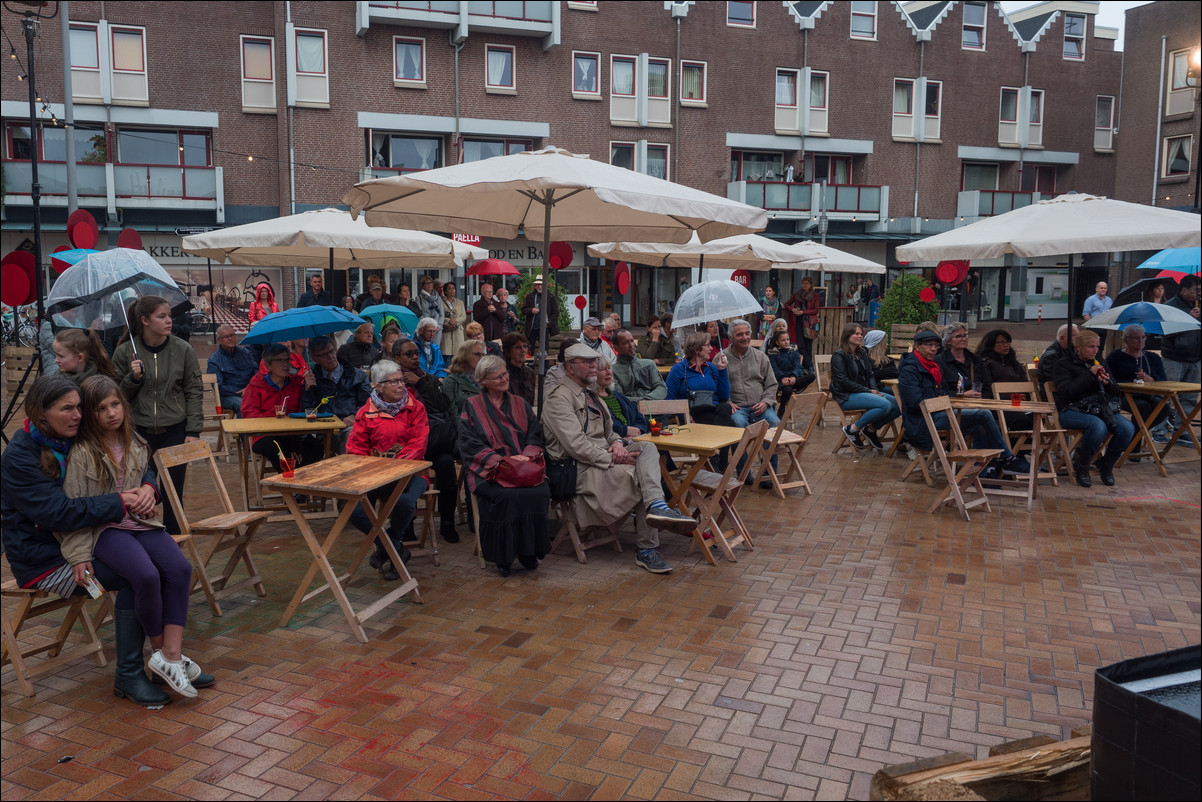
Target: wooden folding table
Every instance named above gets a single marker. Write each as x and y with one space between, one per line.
1020 486
244 430
1169 392
349 478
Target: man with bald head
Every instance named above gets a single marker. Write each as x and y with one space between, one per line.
234 366
1097 303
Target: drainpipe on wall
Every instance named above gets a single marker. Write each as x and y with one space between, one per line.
1159 118
292 162
676 127
919 103
68 109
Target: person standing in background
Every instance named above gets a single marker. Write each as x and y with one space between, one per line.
317 294
1098 303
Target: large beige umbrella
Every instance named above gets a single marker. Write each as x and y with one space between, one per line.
833 260
550 194
740 252
1069 224
328 238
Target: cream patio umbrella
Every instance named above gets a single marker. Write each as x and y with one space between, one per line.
833 260
550 194
1068 224
740 252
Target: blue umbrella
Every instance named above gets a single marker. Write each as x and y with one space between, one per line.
74 255
403 315
1155 318
1181 260
302 323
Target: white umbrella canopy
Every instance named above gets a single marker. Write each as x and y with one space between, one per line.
740 252
713 300
1072 223
550 194
329 238
833 260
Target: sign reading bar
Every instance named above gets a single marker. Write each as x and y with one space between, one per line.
467 239
741 277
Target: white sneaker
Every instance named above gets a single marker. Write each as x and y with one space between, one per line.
173 673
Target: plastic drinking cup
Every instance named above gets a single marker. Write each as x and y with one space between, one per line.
1016 399
287 468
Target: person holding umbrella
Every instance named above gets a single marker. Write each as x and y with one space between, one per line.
161 377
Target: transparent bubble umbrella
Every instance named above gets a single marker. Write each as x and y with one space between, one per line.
713 300
95 292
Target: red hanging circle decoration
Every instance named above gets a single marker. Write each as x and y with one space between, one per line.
927 295
581 302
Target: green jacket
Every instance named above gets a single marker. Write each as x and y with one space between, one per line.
458 388
170 391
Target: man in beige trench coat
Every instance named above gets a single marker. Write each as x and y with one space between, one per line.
614 475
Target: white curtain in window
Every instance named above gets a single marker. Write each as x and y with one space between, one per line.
1102 115
127 50
500 68
1180 67
427 152
1009 109
1036 107
409 61
786 89
657 162
310 52
841 170
903 92
623 77
817 91
256 60
586 74
378 143
693 82
1177 162
657 79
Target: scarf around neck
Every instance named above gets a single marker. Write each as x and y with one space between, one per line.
931 367
58 446
392 409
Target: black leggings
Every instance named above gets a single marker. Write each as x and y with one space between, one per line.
171 436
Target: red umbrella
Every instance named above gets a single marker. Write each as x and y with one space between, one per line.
492 267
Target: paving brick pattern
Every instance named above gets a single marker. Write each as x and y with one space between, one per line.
861 632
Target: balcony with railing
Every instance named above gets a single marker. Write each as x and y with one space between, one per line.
130 186
990 202
789 199
518 17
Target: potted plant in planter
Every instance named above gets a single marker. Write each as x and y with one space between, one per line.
902 303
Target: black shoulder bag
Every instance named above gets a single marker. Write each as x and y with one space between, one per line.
561 473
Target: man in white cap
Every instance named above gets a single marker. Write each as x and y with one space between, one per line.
535 304
614 475
590 336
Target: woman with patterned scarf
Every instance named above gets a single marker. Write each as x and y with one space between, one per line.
392 424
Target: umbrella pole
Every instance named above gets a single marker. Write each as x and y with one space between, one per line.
549 286
132 338
1069 296
212 303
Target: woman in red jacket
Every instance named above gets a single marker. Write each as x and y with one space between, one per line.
267 392
392 424
263 304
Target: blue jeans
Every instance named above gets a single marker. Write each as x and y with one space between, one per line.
233 402
1184 372
402 513
1094 429
744 417
980 426
879 409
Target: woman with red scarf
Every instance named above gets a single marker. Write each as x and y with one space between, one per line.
919 378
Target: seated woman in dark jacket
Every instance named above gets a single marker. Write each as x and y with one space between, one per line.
1132 363
1001 365
791 377
920 377
33 505
854 387
522 380
963 373
883 366
1084 391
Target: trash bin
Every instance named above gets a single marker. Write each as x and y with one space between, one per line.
1147 727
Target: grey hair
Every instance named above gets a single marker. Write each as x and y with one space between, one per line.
489 363
950 330
773 328
1134 327
426 321
1063 330
383 369
223 328
738 322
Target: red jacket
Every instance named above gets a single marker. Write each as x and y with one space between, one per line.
260 398
378 434
257 311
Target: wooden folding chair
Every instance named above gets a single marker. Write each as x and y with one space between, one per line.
924 462
229 531
786 444
569 533
1050 434
678 411
477 552
822 381
31 603
712 495
901 336
961 465
213 419
426 544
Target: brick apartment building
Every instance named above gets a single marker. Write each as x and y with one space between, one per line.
918 116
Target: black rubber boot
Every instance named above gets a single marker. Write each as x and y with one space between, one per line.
1105 467
1081 471
130 680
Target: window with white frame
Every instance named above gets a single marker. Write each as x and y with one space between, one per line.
499 68
740 14
972 36
409 62
311 67
475 148
1008 112
932 110
657 161
751 165
1039 178
1176 159
1036 107
1180 95
818 97
978 176
128 51
1074 37
258 74
786 88
621 154
863 19
583 5
657 78
586 75
622 74
903 97
692 83
86 76
1103 126
402 153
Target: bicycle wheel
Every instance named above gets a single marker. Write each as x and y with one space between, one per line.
27 334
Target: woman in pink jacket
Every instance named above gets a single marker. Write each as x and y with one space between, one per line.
392 424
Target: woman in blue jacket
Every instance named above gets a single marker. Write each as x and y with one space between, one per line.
33 506
695 373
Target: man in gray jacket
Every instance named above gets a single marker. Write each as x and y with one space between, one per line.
637 378
753 385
